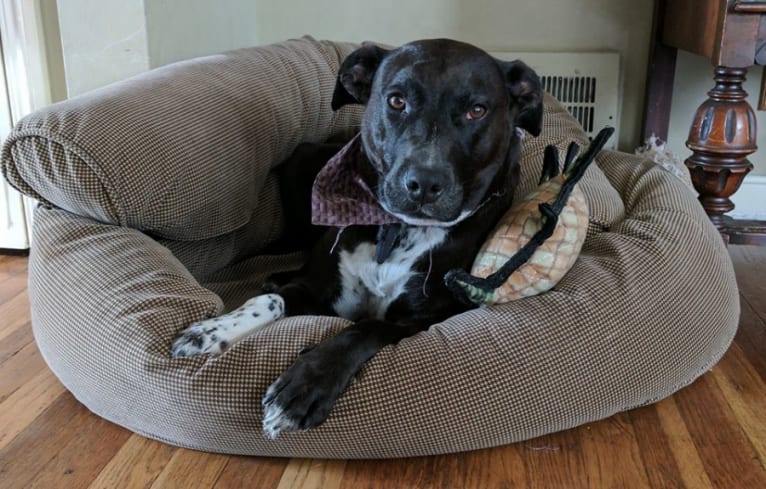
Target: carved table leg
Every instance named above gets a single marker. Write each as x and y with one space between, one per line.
721 138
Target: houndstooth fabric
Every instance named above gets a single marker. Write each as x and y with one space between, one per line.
195 171
650 304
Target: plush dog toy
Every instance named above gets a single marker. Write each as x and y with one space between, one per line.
538 240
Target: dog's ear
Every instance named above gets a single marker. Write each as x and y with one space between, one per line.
355 76
526 91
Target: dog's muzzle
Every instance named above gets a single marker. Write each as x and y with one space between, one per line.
416 190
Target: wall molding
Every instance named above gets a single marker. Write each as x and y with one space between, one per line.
750 199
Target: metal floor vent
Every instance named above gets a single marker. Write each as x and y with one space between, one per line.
587 84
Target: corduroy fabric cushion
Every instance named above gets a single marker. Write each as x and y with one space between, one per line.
612 335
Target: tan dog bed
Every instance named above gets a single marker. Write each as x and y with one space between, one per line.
158 199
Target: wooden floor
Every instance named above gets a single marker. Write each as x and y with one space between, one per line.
709 435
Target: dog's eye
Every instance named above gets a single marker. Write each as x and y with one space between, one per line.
477 112
397 102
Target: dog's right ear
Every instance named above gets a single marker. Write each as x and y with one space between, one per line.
355 76
526 91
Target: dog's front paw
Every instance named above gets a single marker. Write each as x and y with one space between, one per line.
214 336
304 395
198 339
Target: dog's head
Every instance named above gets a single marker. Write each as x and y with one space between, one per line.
440 123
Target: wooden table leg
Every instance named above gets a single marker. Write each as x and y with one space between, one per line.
722 136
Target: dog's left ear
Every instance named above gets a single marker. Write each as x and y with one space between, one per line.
355 75
526 92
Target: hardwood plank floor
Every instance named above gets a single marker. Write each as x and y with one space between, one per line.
709 435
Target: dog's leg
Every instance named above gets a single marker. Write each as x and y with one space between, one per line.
215 335
303 396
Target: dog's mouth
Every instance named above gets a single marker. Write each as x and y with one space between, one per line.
456 205
440 215
421 217
445 211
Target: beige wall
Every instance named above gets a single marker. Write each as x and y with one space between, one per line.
694 78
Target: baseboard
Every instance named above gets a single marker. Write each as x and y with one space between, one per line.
14 252
750 199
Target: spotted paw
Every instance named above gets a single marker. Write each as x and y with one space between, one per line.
215 335
198 339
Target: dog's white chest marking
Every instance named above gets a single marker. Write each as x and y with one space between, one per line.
368 288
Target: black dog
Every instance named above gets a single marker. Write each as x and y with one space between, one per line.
434 168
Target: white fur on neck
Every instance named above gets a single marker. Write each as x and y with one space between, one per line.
367 287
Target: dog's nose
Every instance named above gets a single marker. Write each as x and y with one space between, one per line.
424 186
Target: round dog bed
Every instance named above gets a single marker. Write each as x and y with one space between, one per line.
159 203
